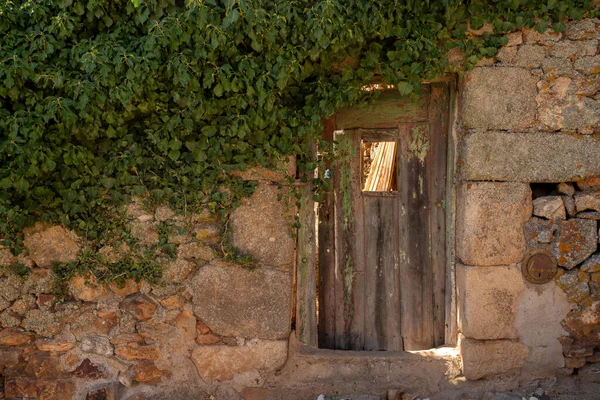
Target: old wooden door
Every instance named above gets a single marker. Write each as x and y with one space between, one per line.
382 253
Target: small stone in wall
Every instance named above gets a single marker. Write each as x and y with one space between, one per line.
549 207
53 346
569 205
514 39
571 49
583 322
186 321
134 351
13 337
127 338
163 213
196 251
578 350
42 322
172 302
145 233
533 36
147 372
565 188
581 30
589 184
129 287
97 344
574 284
177 270
44 366
575 241
87 369
588 85
588 65
592 264
47 245
85 288
587 201
574 362
9 319
140 306
38 389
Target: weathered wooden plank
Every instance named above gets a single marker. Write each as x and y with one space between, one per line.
451 312
438 139
387 112
306 253
415 267
382 286
349 259
345 221
326 257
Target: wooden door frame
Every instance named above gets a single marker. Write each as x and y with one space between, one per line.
305 296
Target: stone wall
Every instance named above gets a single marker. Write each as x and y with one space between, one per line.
210 327
529 115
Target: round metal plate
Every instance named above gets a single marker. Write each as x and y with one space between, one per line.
539 266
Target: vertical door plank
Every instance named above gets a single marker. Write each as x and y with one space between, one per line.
416 274
382 306
306 290
349 260
438 128
326 257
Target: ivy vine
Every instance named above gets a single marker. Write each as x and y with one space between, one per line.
103 100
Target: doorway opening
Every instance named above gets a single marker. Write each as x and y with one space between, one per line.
381 242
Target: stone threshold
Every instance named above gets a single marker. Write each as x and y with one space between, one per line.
314 370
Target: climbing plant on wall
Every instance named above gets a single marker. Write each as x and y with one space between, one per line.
102 100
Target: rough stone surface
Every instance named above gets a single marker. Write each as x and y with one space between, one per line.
177 270
147 372
575 285
588 65
186 321
583 323
129 287
581 30
488 301
85 288
260 228
223 362
576 240
530 157
234 301
592 264
587 201
499 98
136 352
54 346
13 337
47 245
42 322
549 207
572 49
540 310
565 188
97 344
489 222
488 358
195 251
140 306
38 389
